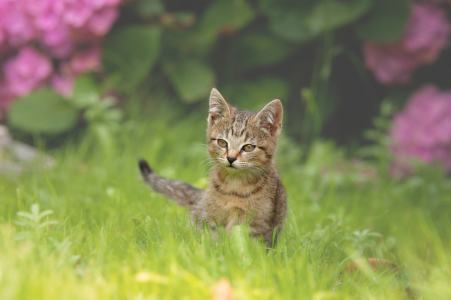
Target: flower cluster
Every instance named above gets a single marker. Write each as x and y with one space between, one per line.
425 36
423 129
49 42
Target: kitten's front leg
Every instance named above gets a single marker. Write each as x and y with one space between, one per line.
259 231
200 220
208 224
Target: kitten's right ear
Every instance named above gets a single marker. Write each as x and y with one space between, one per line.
219 108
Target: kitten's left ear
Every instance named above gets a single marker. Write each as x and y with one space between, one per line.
270 117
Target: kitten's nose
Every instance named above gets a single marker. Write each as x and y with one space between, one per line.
231 159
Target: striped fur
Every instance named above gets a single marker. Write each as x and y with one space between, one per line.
244 186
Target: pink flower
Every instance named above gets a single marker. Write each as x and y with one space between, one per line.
58 40
423 129
102 20
427 32
48 20
60 28
27 71
6 98
18 27
62 84
3 12
425 36
389 63
85 61
97 4
115 2
77 13
2 36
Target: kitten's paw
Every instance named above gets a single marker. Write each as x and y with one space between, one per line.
144 167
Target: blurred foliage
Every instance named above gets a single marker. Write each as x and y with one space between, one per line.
385 22
98 110
43 111
379 141
130 53
255 51
47 112
307 52
300 21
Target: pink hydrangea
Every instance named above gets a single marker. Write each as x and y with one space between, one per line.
26 71
6 98
85 61
389 62
50 42
423 130
425 36
17 24
62 84
102 20
58 40
427 32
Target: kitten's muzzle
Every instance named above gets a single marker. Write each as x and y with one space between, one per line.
231 159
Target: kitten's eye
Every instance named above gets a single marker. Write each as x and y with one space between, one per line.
222 143
248 147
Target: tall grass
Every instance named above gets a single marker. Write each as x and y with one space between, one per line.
115 239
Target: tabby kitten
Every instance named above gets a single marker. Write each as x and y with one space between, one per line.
244 183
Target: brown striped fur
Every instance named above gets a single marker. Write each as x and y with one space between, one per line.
244 187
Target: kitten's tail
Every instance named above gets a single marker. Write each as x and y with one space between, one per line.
178 191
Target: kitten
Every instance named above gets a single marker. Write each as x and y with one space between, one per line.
244 183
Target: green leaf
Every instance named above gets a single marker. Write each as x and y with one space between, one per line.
85 92
288 24
131 52
239 240
192 78
103 135
187 42
254 95
43 111
386 21
329 15
148 8
226 15
259 49
303 20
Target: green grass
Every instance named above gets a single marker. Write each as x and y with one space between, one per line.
116 239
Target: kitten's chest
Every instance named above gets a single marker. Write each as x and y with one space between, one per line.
238 195
237 211
239 204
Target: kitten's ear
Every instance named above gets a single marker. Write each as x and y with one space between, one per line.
219 108
270 117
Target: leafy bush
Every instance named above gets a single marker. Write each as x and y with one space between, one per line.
45 44
313 54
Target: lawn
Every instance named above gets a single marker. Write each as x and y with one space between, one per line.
116 239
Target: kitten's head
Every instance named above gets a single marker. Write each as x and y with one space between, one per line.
242 141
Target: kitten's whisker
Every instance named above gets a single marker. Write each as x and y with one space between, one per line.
213 162
251 171
208 167
260 168
199 155
209 170
204 163
206 160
